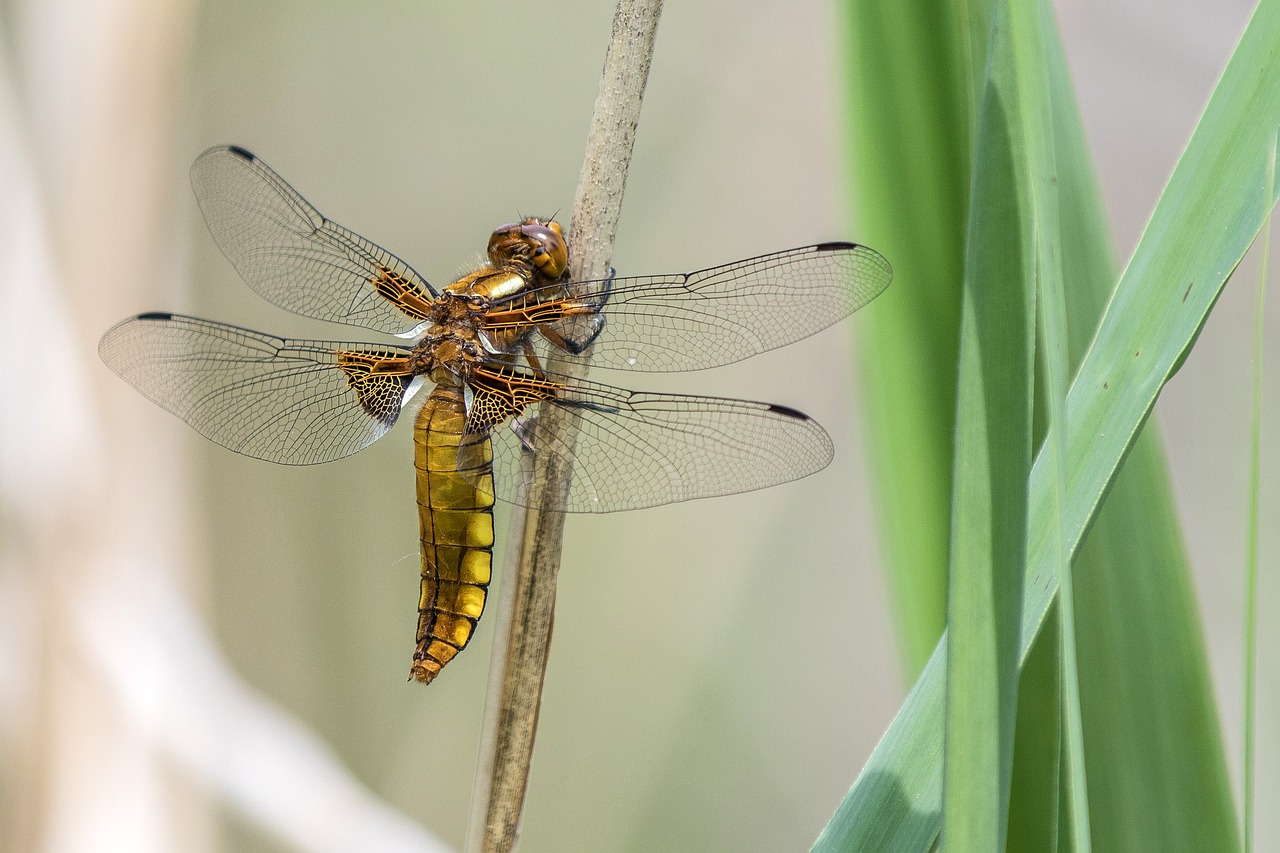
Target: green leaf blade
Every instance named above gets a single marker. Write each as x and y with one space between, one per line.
992 463
1138 596
909 131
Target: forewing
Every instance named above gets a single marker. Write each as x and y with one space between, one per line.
638 449
295 257
293 402
690 321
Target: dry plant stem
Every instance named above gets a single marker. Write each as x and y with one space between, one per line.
523 633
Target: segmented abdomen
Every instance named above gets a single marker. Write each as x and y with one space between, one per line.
456 522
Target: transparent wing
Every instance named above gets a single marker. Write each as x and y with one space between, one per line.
295 257
637 449
293 402
690 321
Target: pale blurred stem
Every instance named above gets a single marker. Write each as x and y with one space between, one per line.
522 636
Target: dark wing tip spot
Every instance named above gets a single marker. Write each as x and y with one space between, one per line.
155 315
836 246
242 153
789 412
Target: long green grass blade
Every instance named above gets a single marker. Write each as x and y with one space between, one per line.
1211 209
1032 31
1251 541
992 460
1144 678
909 131
1041 776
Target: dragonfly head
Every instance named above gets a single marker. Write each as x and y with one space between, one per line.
534 241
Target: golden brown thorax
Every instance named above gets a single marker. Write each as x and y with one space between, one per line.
522 256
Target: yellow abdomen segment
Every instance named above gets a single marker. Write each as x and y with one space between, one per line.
456 521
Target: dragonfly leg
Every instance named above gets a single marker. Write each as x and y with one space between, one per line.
581 333
583 323
597 301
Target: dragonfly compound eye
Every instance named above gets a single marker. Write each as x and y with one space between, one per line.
550 254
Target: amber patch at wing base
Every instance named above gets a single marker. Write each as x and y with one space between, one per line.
379 380
402 293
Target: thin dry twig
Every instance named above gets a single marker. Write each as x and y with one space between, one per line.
526 607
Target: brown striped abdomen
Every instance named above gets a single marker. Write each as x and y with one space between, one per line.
456 522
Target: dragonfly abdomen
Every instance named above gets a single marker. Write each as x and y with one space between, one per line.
455 518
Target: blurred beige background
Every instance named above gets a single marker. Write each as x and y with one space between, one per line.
204 652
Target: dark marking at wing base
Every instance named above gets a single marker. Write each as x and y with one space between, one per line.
789 412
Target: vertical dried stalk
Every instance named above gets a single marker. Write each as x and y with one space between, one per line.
526 606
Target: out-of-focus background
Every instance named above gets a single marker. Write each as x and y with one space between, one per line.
204 652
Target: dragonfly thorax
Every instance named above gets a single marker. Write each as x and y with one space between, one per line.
489 283
443 353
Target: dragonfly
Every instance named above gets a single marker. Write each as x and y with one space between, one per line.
482 340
